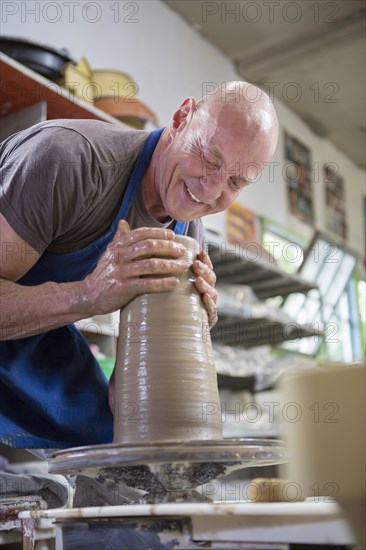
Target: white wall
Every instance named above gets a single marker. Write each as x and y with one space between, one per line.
170 61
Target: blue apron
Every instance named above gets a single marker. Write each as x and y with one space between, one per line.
53 393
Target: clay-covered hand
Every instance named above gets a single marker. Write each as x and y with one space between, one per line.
205 283
123 270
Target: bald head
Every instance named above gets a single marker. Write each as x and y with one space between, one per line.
246 107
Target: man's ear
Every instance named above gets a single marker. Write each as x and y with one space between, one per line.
183 115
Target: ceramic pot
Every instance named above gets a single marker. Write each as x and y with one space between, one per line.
130 111
112 83
165 377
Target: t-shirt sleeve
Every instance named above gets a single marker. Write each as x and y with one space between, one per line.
43 181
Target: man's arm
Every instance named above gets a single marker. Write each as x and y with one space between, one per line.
116 280
25 311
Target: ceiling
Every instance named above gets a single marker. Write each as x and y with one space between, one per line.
310 53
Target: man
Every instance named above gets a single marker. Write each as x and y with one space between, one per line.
87 212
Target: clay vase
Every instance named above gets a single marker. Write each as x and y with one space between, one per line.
165 377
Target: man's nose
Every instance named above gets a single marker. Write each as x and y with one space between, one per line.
212 186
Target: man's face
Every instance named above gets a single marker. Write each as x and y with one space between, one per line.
208 163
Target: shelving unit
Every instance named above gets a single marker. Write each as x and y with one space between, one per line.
244 320
234 331
234 265
265 278
21 87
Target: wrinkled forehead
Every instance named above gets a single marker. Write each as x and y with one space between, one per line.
235 140
229 135
228 123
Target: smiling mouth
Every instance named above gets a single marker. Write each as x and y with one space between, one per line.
193 197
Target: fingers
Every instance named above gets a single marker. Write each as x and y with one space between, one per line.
135 262
211 309
143 242
205 282
205 288
205 258
123 229
203 270
155 266
155 247
142 233
146 285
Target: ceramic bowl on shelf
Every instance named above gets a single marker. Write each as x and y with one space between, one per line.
114 84
79 80
130 111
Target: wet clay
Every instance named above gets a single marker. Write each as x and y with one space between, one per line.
165 377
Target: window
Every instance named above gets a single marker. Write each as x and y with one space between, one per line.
288 252
333 307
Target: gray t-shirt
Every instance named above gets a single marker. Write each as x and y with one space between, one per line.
62 183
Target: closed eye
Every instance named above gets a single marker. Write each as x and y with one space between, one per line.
235 185
211 165
239 184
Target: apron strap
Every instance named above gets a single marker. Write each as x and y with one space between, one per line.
136 177
180 228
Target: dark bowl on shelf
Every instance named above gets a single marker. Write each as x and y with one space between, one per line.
45 60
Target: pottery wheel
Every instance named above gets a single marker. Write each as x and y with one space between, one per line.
167 471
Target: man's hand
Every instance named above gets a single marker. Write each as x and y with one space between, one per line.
205 283
123 271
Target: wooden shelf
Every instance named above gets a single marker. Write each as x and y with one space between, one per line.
21 87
